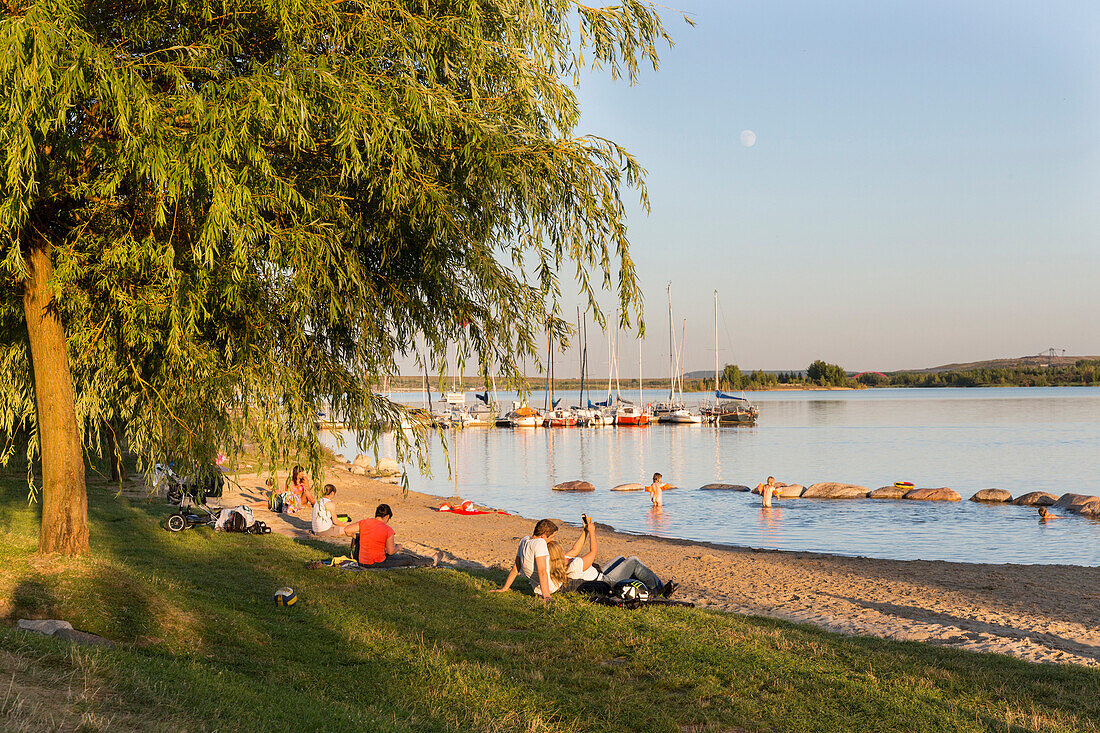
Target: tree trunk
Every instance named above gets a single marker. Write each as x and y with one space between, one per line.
64 526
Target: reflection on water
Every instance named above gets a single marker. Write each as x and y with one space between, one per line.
1018 439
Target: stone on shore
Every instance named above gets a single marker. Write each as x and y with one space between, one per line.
992 495
832 490
1084 504
363 461
628 487
1035 498
941 494
574 486
888 492
47 626
388 466
724 487
358 470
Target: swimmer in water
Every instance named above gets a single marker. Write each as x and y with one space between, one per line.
655 490
1046 516
767 491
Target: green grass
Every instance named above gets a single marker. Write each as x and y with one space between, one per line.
202 647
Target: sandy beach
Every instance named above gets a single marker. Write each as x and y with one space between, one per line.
1040 613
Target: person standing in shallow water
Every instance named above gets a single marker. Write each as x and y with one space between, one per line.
655 490
767 491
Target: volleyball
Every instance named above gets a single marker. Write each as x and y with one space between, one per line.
285 597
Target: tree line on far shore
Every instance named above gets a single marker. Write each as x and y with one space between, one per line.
1083 372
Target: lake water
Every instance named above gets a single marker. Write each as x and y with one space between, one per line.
1019 439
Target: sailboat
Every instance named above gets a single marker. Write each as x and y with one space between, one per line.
682 414
554 416
673 410
585 415
635 415
727 409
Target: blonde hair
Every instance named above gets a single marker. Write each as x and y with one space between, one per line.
557 562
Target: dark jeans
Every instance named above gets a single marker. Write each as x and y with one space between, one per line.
401 560
624 568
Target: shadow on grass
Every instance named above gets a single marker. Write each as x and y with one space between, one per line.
201 640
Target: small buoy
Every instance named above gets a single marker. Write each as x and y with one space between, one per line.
285 597
904 484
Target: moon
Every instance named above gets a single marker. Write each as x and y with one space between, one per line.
748 138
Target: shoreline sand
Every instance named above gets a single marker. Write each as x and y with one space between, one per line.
1040 613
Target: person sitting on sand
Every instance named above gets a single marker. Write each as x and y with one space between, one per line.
1045 515
533 561
325 521
655 490
377 548
767 491
300 486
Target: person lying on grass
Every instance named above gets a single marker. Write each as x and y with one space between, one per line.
579 568
533 560
376 546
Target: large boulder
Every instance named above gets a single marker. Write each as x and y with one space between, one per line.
388 466
1080 504
629 487
724 487
574 486
1035 498
992 495
888 492
48 626
363 461
941 494
358 470
830 490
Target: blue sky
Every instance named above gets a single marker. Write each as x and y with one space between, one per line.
925 185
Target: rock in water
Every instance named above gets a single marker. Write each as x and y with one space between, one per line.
724 487
388 466
829 490
941 494
1035 498
1084 504
888 492
627 487
992 495
363 461
574 486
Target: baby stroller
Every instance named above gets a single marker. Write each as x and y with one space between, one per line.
201 484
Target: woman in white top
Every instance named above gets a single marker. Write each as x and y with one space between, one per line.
325 523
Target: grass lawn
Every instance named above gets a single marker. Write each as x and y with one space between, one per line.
201 646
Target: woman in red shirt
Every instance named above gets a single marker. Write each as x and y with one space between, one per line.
377 548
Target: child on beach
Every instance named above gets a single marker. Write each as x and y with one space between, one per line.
767 491
325 522
655 490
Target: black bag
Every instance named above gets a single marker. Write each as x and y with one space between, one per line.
598 588
258 527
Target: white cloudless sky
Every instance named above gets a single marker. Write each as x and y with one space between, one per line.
924 187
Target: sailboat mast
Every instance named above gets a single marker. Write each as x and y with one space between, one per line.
716 343
671 350
580 351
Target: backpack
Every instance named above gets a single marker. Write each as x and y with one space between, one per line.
275 501
236 523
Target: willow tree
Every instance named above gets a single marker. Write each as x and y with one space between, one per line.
219 215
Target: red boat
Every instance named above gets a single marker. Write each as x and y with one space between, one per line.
560 418
631 415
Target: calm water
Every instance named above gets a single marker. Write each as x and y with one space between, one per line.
1017 439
